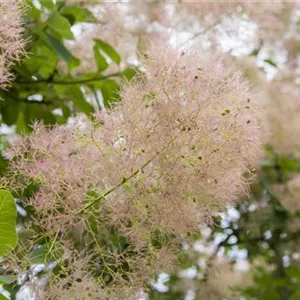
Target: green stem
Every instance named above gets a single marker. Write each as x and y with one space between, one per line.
117 186
124 180
66 82
204 31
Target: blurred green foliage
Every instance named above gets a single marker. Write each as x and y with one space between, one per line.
45 88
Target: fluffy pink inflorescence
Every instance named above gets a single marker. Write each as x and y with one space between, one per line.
180 140
195 121
271 17
11 42
139 18
126 26
288 194
175 150
281 121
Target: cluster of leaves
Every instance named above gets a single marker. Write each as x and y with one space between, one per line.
8 215
8 237
44 87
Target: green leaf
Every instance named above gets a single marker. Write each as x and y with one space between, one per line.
110 91
109 51
255 52
39 112
66 113
9 111
47 3
288 164
80 101
77 14
74 94
100 60
21 125
8 215
270 62
2 297
42 62
61 3
6 279
32 12
59 48
45 254
60 25
129 73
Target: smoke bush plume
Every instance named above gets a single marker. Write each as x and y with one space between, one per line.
178 147
288 193
11 42
271 17
281 120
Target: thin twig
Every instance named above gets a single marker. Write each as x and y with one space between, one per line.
66 82
103 196
208 28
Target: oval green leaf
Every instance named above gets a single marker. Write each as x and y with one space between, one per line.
60 25
8 215
77 14
108 50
